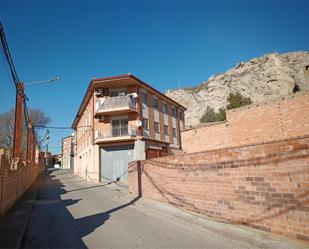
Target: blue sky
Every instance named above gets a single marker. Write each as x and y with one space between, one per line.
160 42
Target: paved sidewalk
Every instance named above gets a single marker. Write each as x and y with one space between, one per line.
14 223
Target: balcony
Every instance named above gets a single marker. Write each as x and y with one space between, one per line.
114 105
115 134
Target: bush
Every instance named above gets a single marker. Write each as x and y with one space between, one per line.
211 116
237 100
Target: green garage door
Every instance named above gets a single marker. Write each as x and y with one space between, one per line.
114 162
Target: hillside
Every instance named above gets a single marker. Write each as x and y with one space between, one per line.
266 78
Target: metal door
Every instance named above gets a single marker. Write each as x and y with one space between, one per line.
114 162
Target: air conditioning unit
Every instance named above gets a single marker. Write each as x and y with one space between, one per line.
100 118
98 92
133 132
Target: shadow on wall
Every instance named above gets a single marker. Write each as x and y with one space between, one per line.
68 231
253 191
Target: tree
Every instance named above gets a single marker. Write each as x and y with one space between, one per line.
211 116
37 117
237 100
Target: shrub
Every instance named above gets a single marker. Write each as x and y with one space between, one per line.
211 116
237 100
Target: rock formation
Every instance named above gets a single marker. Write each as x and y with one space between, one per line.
266 78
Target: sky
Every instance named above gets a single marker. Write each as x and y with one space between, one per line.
166 44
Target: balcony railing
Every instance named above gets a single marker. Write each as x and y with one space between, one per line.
114 104
116 133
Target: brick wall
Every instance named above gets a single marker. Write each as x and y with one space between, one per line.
253 124
264 186
14 183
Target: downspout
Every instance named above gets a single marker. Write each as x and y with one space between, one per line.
93 142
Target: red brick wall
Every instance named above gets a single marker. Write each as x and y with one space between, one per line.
264 186
14 183
253 124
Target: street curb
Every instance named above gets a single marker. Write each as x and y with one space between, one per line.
35 185
13 225
227 230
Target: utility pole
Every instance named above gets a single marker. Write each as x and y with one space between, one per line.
46 143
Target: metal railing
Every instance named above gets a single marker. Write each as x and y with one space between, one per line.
108 103
116 132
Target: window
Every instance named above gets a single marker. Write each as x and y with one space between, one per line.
145 124
155 103
173 112
119 127
174 132
156 127
165 108
144 97
180 115
165 130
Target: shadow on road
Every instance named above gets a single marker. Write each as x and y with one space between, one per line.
52 225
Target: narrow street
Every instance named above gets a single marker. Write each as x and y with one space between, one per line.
72 213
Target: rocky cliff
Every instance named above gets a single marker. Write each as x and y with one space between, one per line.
266 78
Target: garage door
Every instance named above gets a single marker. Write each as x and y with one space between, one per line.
114 162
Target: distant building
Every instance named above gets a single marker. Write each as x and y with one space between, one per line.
57 159
120 119
49 161
67 152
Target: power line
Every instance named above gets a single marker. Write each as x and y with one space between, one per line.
53 127
7 71
61 127
8 56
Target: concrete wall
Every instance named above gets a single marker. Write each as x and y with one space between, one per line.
14 183
254 124
264 186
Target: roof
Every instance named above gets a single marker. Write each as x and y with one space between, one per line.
88 94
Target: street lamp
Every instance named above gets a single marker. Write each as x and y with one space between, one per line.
42 81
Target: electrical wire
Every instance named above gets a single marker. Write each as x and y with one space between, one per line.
7 71
8 56
60 127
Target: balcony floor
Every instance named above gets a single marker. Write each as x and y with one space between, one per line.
114 139
119 110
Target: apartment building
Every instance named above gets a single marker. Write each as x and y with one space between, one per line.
120 119
67 152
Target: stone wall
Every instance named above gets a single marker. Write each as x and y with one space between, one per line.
253 124
14 183
263 185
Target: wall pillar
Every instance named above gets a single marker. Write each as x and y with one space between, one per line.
18 120
29 142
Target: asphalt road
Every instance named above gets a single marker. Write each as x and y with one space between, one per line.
72 213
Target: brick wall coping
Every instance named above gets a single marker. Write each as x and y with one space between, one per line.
203 125
226 148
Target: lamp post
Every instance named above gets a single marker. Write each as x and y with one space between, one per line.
47 133
42 81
